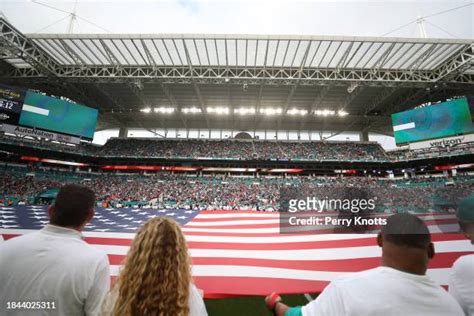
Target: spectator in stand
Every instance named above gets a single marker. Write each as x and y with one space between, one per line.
461 283
54 265
239 149
156 278
218 191
218 149
398 287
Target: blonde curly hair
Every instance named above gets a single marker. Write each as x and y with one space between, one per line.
156 275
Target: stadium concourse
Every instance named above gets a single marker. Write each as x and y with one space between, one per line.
221 132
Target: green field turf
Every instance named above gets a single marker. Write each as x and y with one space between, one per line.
248 305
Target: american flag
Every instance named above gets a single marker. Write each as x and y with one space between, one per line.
243 252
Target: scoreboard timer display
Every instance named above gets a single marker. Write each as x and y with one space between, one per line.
11 104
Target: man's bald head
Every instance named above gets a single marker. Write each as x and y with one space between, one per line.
406 230
406 244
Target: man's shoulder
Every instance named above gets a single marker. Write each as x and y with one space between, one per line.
356 277
75 247
464 264
93 251
87 252
17 240
467 259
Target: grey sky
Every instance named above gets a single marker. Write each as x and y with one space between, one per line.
352 18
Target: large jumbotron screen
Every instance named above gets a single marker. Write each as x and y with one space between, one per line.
448 118
52 114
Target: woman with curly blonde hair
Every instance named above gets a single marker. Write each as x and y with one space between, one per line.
156 276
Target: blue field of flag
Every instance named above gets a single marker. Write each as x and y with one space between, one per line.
124 220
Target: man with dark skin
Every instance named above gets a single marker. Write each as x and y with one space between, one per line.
398 287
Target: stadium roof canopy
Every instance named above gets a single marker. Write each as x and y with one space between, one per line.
216 75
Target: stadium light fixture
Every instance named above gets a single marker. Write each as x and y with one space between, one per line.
294 111
270 111
192 110
218 110
244 111
145 110
325 112
163 110
342 113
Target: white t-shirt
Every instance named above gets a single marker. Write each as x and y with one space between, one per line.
53 265
196 303
383 291
461 283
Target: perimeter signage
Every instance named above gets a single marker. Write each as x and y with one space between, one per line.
447 142
26 131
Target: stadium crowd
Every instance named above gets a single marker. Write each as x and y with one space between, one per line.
231 192
244 150
217 149
405 153
241 149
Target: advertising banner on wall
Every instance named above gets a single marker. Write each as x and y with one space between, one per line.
443 142
25 131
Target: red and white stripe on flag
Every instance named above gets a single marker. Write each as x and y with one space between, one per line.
243 253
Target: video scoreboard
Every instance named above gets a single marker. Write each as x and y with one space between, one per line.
28 108
11 103
445 119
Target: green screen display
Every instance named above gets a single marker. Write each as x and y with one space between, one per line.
52 114
445 119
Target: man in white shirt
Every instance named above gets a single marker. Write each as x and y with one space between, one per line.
53 271
461 282
398 287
